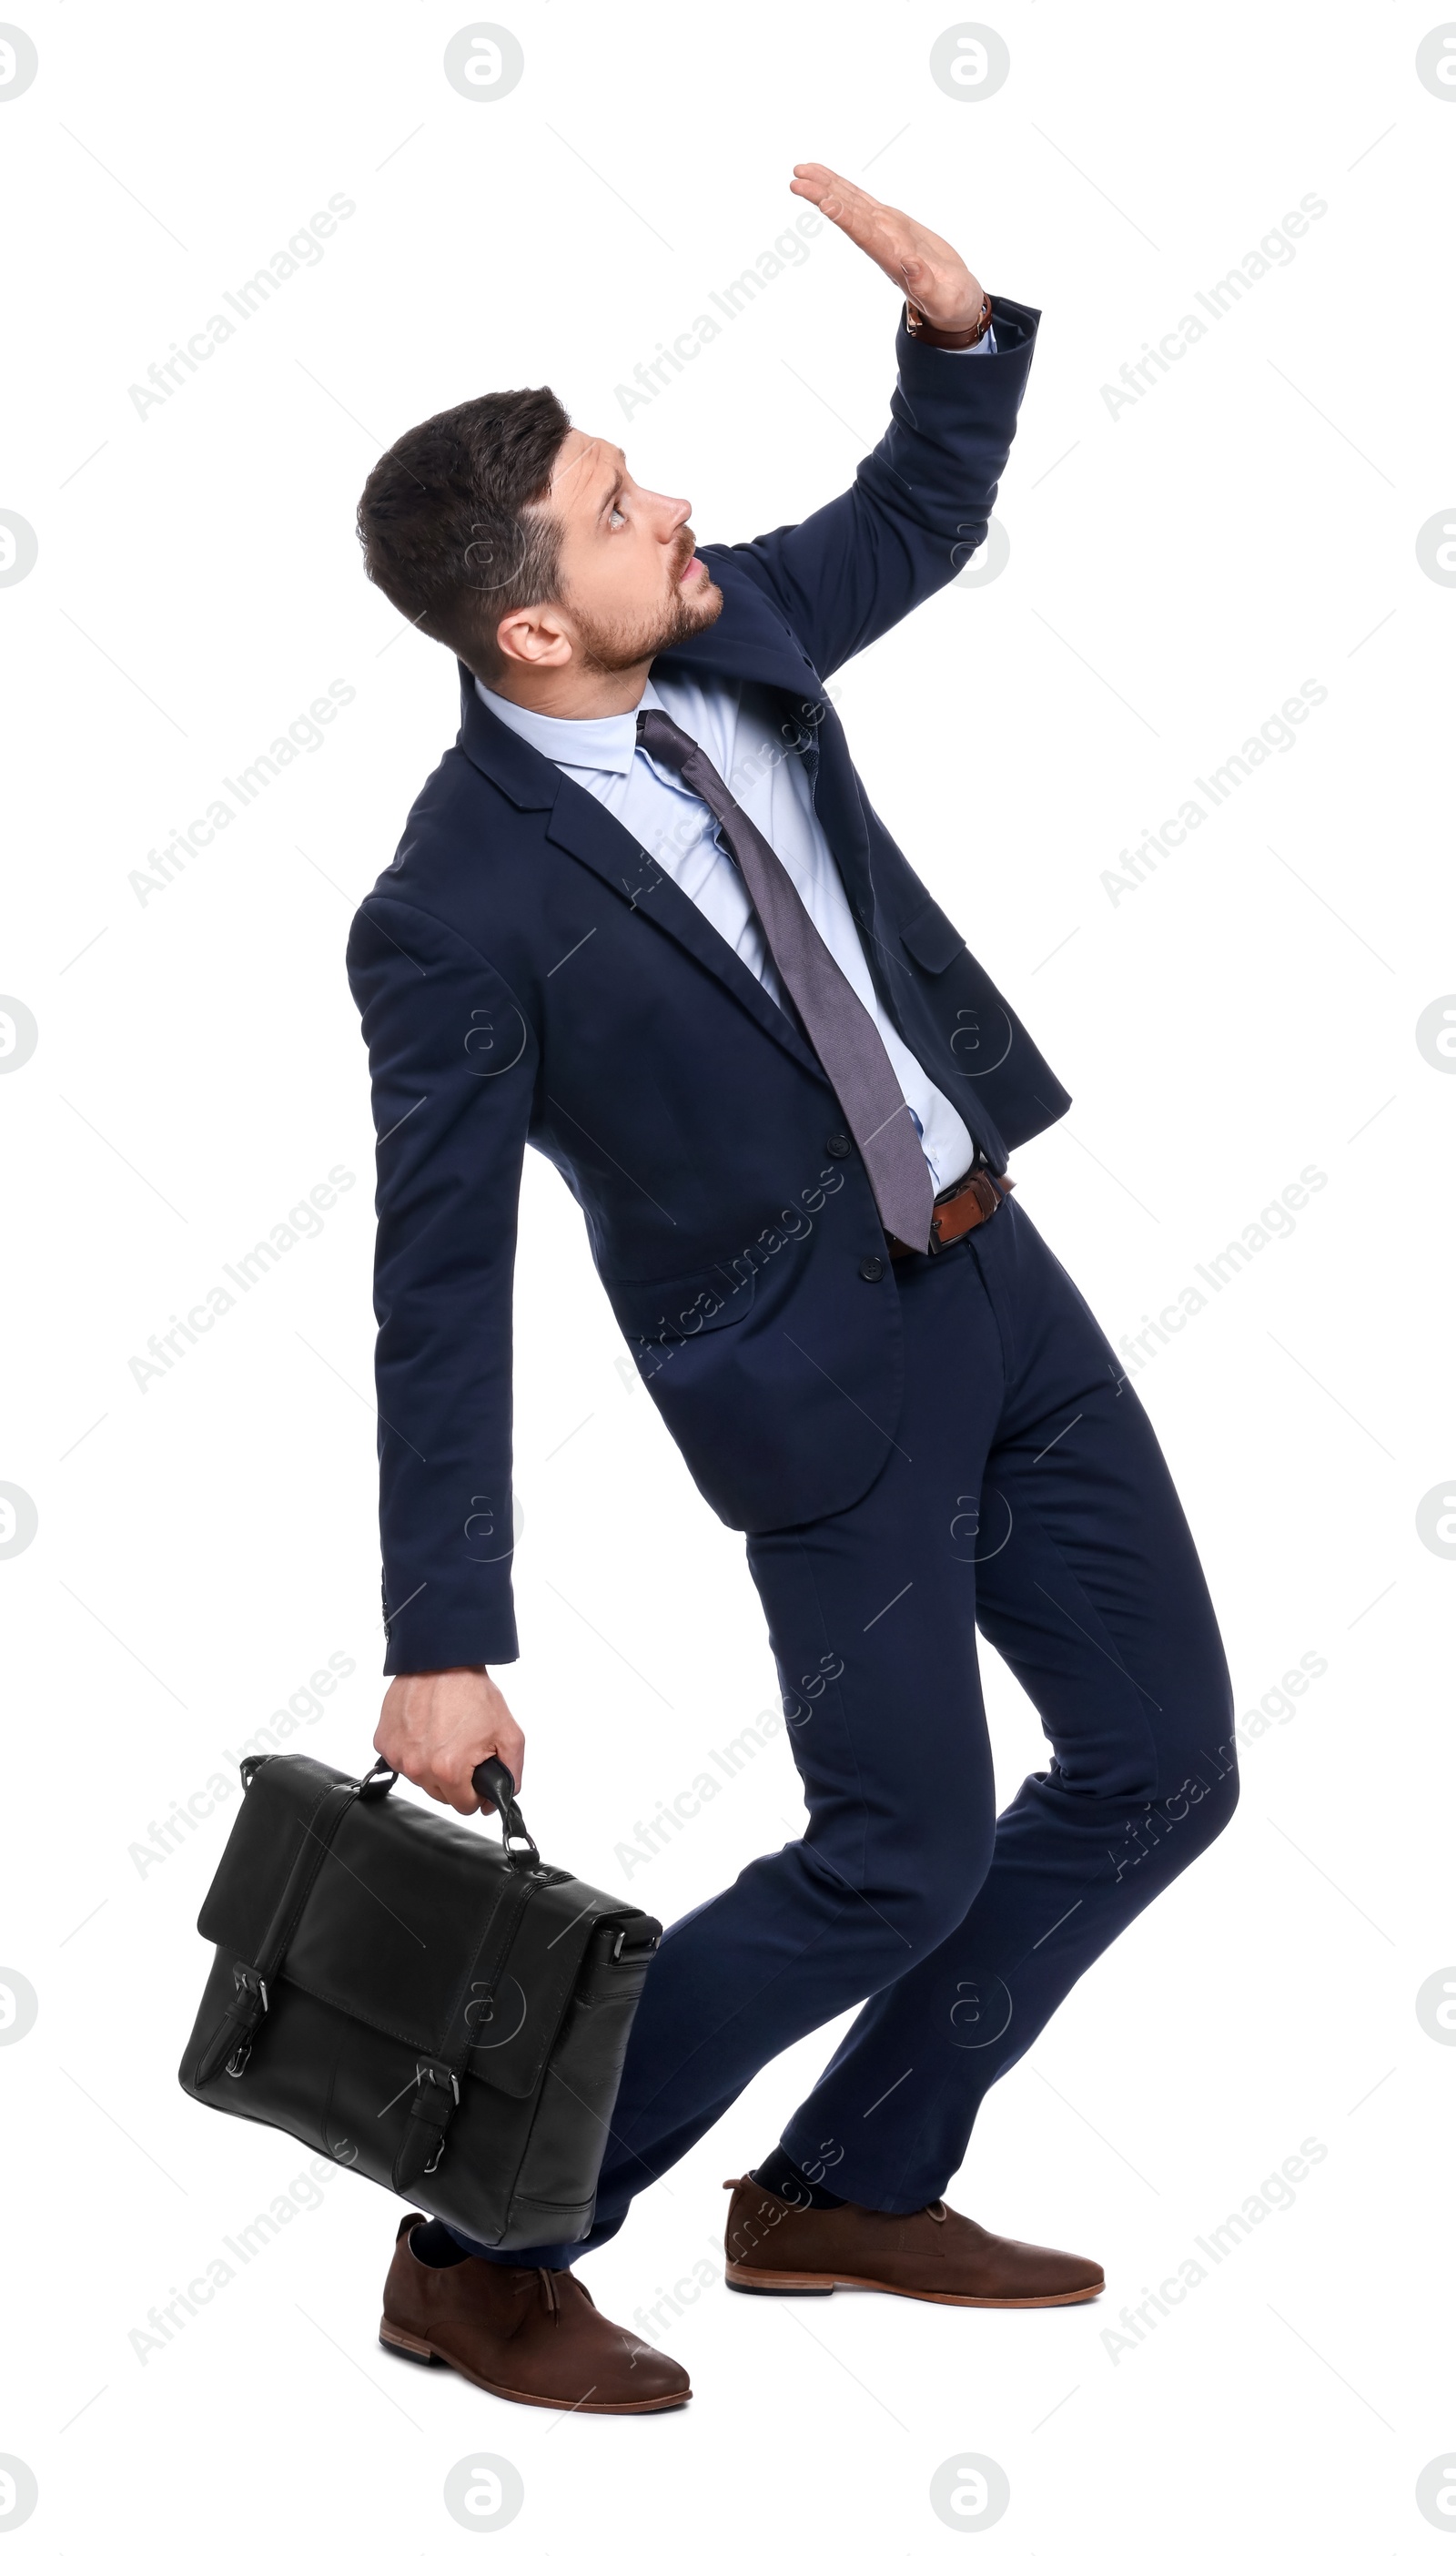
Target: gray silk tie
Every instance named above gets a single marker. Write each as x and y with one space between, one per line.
841 1030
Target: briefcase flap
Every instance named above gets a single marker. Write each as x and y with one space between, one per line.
396 1915
269 1831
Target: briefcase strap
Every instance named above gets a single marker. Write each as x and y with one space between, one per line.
232 2042
437 2077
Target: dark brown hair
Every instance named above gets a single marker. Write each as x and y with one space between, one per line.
446 521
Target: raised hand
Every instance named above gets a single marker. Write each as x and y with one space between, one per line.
927 270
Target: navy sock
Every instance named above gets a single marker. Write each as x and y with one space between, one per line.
779 2174
434 2244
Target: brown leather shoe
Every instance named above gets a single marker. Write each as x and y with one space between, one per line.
524 2333
932 2253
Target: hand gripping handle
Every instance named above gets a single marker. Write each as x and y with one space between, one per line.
492 1781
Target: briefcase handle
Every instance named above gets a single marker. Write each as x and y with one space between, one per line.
492 1781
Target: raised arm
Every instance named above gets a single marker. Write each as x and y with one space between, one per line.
922 500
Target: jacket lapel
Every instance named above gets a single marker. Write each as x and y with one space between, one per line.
581 825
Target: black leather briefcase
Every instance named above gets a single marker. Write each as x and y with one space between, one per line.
430 2005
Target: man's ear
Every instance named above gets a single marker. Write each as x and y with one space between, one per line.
533 636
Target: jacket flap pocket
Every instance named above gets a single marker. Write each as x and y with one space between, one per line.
932 938
678 1309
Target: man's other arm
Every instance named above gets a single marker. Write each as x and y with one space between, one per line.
452 1061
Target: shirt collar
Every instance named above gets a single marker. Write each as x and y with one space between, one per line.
591 745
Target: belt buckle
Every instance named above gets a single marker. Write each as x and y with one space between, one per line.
988 1188
947 1198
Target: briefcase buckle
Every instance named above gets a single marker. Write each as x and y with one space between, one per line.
437 2076
248 1984
430 2073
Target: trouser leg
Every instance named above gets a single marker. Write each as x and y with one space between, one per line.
1088 1585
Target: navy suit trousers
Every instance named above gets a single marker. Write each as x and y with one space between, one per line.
1024 1497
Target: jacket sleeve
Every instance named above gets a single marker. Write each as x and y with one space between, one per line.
452 1059
919 504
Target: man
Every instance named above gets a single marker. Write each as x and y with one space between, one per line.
645 919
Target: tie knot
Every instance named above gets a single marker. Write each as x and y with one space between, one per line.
663 739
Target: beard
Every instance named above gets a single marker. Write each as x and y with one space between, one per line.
613 646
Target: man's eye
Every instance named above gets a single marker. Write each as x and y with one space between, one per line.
615 518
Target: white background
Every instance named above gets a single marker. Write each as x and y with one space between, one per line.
1175 573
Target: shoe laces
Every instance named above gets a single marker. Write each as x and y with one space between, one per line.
544 2282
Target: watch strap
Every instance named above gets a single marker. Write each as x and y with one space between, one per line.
927 335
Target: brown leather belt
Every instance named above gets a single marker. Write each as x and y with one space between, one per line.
958 1211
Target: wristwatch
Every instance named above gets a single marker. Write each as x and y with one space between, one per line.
927 335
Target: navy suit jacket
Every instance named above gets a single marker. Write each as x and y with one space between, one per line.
528 974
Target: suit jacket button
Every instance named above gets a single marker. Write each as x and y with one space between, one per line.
872 1267
839 1146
